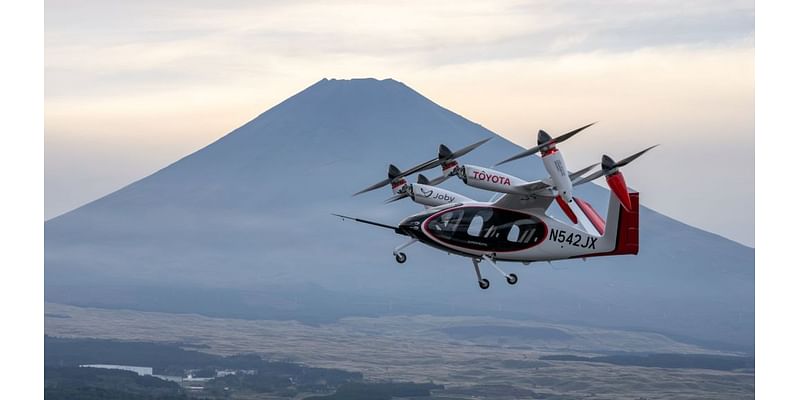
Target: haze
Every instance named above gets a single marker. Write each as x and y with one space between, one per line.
132 86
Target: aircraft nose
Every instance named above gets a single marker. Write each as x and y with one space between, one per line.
410 225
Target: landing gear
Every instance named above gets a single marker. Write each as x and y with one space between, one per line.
482 282
399 256
511 278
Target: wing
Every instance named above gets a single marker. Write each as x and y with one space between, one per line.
524 202
533 200
532 187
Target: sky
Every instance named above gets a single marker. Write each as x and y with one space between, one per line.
132 86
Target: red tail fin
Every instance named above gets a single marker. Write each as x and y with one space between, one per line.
627 238
628 228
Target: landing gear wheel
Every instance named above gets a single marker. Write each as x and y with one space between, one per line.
483 283
400 257
511 279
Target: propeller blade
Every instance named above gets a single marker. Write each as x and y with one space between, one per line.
571 133
375 186
627 160
588 178
608 164
395 198
395 173
466 150
580 172
545 141
422 179
518 156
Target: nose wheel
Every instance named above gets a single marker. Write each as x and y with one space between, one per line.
399 256
483 283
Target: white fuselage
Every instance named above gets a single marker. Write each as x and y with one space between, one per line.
475 229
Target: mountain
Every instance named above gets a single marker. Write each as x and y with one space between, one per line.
243 227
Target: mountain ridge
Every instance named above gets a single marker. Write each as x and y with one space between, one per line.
231 214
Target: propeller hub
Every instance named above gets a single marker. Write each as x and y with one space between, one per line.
394 172
444 152
608 164
543 138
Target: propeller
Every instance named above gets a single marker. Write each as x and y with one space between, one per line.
545 141
609 166
615 179
444 156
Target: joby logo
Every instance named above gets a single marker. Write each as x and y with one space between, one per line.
437 196
498 179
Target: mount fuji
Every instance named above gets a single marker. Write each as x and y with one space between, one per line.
243 228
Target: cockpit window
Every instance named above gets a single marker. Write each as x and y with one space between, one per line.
447 224
487 228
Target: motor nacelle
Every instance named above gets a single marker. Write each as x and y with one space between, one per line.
557 168
434 196
616 182
489 179
553 161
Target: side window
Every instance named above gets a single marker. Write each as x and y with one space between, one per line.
527 229
513 234
475 226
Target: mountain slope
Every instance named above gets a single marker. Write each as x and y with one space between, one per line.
246 221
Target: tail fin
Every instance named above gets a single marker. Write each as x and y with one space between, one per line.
622 233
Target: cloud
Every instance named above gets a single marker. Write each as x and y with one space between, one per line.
155 35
